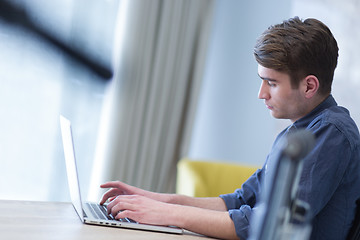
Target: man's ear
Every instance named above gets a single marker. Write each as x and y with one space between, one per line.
312 84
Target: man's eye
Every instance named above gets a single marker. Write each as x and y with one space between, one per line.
271 84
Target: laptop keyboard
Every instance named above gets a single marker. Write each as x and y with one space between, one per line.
100 212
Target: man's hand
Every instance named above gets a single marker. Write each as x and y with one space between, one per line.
140 209
119 188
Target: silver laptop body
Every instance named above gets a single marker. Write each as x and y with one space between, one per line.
85 210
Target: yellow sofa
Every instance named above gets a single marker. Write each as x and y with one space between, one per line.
209 178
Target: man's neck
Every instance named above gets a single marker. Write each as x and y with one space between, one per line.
318 99
312 104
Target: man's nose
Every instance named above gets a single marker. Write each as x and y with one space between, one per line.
263 91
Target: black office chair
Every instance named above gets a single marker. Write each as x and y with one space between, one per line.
354 233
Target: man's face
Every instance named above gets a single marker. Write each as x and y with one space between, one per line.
281 99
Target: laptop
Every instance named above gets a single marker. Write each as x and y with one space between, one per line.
93 213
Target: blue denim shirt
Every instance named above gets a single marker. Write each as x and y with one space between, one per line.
330 179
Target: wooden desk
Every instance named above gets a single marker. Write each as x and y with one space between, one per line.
52 220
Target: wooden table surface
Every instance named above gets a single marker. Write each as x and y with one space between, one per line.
55 220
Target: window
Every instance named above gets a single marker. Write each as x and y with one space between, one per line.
38 82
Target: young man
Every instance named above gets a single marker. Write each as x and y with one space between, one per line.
296 63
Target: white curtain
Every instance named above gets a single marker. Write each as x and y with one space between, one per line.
148 115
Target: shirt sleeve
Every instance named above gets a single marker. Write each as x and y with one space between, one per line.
241 218
324 168
241 202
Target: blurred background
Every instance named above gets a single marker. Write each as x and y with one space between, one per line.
184 84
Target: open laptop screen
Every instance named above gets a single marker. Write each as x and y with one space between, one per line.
72 175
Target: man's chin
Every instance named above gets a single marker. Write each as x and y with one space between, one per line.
273 114
277 116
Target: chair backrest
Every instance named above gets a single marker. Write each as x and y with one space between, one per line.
354 233
210 178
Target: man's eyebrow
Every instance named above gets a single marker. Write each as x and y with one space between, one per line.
267 79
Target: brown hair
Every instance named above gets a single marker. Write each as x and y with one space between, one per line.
299 48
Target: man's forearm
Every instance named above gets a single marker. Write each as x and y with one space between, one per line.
213 203
211 223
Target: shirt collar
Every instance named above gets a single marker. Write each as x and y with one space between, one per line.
304 121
